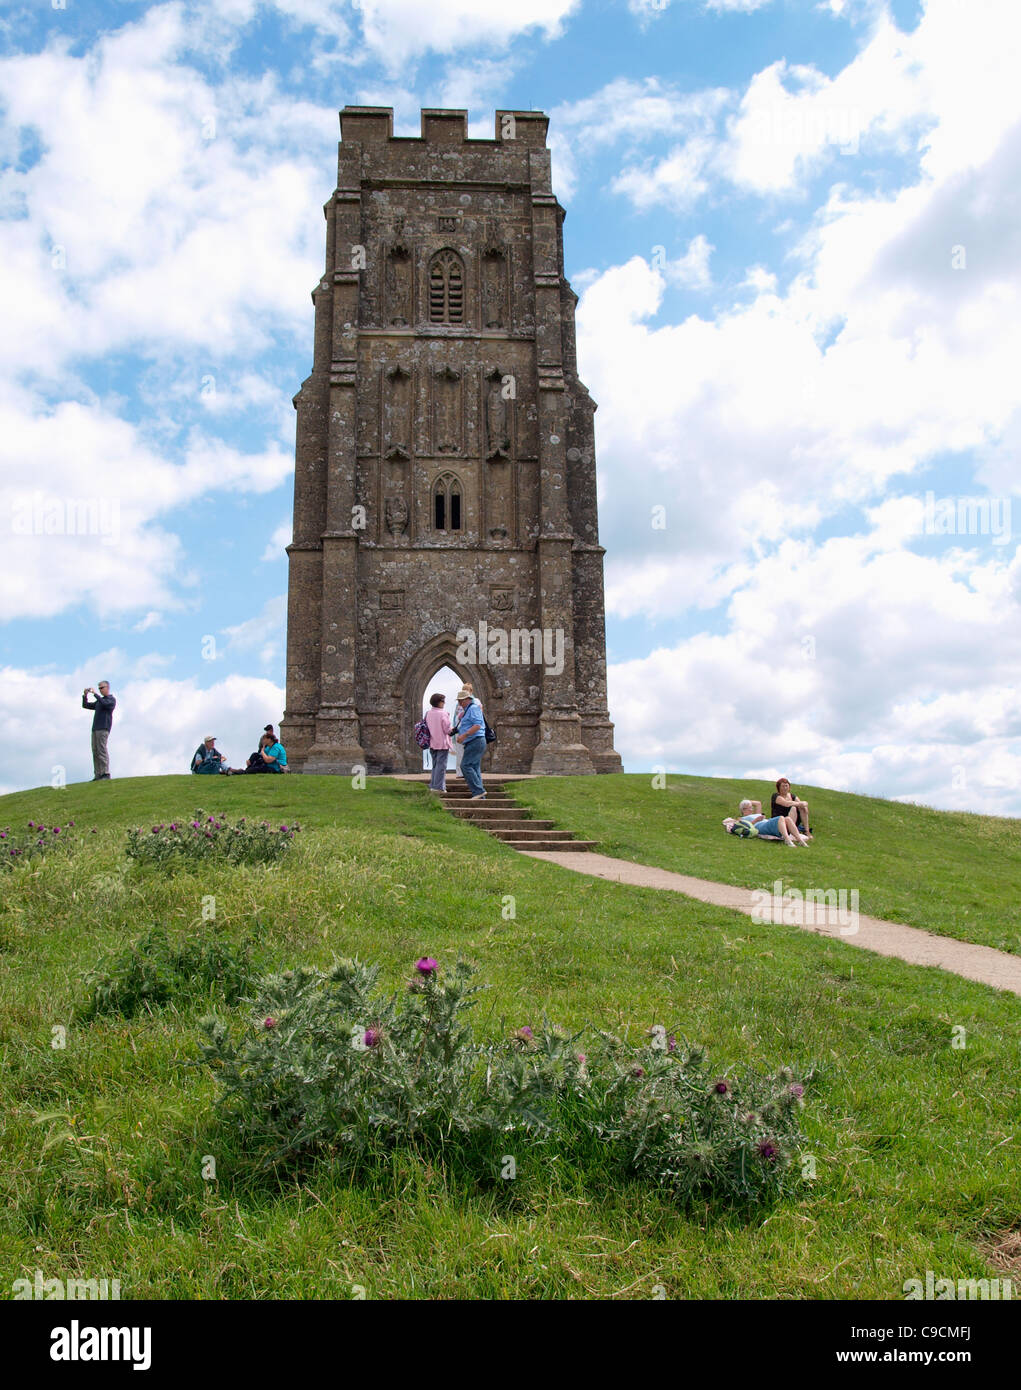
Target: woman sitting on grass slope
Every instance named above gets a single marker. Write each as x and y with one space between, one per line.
751 821
783 802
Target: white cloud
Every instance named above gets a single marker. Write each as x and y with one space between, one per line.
629 112
691 271
280 538
211 242
818 402
649 9
151 619
396 30
92 535
831 671
262 636
943 92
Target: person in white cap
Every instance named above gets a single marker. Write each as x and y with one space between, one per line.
208 758
471 735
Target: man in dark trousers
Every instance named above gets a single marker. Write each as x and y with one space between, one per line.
102 721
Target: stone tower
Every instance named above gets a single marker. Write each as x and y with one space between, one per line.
445 486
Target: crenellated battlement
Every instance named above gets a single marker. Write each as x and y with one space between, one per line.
374 125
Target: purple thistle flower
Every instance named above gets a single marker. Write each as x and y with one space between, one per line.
426 966
525 1031
70 822
671 1043
796 1089
371 1038
31 825
270 1023
638 1071
283 827
721 1088
768 1150
56 830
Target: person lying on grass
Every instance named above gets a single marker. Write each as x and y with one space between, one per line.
751 821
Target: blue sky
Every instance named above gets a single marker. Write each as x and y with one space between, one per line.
794 227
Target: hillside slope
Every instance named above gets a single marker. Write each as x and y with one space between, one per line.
103 1141
950 873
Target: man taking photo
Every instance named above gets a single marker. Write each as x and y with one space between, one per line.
102 722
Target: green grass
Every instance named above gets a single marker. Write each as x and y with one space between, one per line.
102 1142
951 873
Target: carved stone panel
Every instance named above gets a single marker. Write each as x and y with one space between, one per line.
494 279
396 515
397 402
398 286
447 411
498 407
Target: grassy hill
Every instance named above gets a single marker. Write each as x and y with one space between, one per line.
951 873
102 1142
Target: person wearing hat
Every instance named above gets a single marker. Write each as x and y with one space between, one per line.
208 758
455 720
471 735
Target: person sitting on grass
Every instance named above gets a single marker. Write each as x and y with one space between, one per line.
751 821
256 762
783 802
208 758
273 755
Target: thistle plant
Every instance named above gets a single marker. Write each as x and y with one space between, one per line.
155 970
328 1063
203 838
20 844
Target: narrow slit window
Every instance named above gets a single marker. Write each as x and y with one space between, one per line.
446 288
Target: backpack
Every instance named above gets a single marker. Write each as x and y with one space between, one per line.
422 737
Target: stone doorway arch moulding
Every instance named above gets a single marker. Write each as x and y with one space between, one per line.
438 651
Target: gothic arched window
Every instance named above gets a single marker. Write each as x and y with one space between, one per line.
447 503
446 288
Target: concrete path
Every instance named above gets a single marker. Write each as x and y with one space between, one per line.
981 963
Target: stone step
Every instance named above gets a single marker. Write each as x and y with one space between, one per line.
475 801
524 826
464 795
557 846
515 833
502 817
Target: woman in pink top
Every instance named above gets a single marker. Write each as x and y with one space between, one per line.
438 723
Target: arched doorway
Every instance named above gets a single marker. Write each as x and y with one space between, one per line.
444 682
420 678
